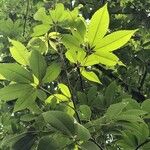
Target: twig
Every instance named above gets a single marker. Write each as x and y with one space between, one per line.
67 76
81 82
26 16
45 90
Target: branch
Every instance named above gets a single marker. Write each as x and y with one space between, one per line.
26 16
60 53
143 79
81 82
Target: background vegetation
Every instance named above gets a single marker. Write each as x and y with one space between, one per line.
74 74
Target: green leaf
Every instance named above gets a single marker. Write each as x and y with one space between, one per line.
80 30
40 29
71 42
60 121
85 112
81 56
28 117
110 93
26 100
38 43
83 133
14 91
37 64
114 40
75 56
90 75
64 89
129 117
47 143
40 15
25 143
136 112
146 105
41 95
14 72
19 52
71 56
58 97
98 26
59 14
115 109
89 146
52 72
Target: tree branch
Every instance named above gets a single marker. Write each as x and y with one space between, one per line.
143 79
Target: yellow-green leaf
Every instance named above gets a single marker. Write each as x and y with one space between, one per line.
90 75
52 72
65 90
107 58
41 29
58 97
114 41
91 60
40 15
19 52
37 64
98 25
15 72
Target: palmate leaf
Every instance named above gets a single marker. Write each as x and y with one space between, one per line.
19 52
14 72
98 26
114 40
37 64
14 91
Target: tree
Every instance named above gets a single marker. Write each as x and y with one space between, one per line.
74 75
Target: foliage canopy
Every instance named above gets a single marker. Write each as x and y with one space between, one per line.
74 75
